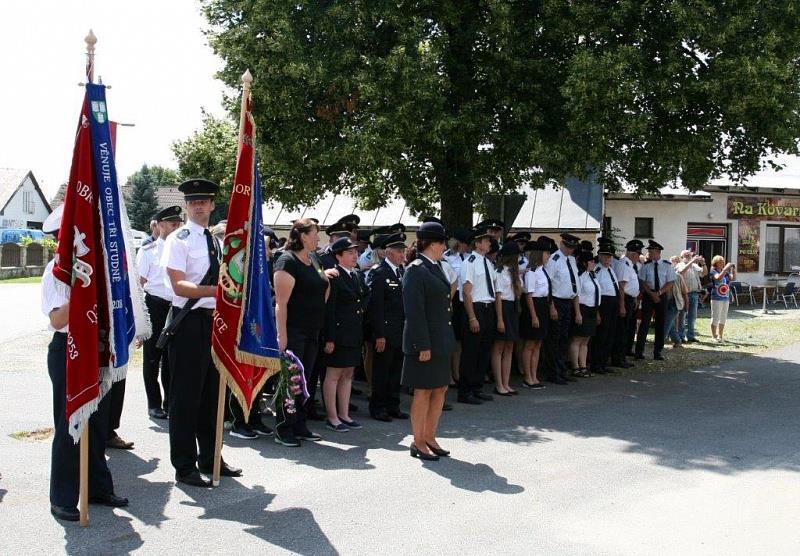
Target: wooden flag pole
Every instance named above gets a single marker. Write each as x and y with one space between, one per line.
247 80
83 488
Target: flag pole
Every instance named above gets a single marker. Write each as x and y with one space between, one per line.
247 81
83 488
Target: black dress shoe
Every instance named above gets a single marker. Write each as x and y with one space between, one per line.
470 399
110 500
482 396
157 413
415 453
64 513
441 452
658 357
383 416
193 479
225 470
398 414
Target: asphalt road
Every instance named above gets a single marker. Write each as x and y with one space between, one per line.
699 462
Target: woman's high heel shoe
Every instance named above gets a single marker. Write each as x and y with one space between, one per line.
415 453
439 451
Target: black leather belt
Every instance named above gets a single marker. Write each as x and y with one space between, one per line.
157 299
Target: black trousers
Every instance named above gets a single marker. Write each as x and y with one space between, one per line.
625 332
237 412
65 458
116 399
305 345
195 387
651 311
476 348
387 368
558 334
603 340
154 358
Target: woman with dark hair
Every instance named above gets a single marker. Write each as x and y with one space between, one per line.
301 290
508 289
536 308
428 339
586 314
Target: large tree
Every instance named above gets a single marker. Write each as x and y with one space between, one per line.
448 100
142 204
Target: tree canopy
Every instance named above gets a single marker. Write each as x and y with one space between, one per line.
448 100
142 204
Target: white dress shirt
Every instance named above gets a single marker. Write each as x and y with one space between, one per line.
148 261
55 294
186 250
606 279
504 286
627 272
589 290
536 283
473 270
559 274
665 273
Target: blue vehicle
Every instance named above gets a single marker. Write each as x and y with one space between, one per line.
15 235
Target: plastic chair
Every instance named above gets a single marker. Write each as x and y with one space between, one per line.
747 288
789 292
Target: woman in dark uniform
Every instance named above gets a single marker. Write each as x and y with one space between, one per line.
585 327
344 334
428 339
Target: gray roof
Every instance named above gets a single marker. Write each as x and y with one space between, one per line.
578 206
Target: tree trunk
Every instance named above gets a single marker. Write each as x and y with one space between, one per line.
456 205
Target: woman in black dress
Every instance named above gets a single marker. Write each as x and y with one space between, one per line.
301 289
344 334
428 339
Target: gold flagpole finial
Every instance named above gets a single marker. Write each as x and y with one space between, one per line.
91 40
247 79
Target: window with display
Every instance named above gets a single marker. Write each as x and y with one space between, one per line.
782 251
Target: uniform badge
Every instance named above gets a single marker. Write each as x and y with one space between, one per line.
471 258
184 233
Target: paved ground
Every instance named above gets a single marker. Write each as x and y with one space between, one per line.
701 462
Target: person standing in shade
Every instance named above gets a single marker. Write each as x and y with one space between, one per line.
612 307
343 334
158 298
428 339
301 290
508 290
191 259
386 316
563 273
535 316
692 267
627 270
65 453
656 278
587 316
456 256
478 324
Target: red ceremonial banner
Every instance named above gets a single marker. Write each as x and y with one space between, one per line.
79 265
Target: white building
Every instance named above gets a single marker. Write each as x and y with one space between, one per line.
22 204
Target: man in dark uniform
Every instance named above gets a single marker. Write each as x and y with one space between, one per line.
656 278
627 269
563 272
478 322
612 306
386 317
192 260
158 298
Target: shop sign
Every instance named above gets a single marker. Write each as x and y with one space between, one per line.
747 257
764 208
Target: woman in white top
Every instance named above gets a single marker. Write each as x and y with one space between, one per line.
586 317
507 291
537 304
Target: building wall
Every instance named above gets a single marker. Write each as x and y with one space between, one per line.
14 215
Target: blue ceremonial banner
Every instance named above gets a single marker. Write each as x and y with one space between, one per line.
122 327
258 334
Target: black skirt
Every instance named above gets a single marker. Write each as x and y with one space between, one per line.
511 321
588 327
526 329
434 373
344 356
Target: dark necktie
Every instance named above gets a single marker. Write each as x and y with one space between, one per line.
213 257
596 290
399 272
656 279
549 283
613 281
489 286
571 276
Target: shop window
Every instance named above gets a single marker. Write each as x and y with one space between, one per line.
643 227
782 249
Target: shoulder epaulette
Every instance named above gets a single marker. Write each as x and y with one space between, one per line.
448 253
376 265
184 233
471 258
416 262
555 256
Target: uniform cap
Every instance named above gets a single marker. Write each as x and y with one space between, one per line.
172 214
343 244
653 244
197 189
570 240
432 230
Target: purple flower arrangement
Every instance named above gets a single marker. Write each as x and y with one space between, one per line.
291 383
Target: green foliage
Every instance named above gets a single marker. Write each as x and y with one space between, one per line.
47 242
142 204
449 100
